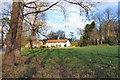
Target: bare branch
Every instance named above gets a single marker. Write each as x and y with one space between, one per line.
63 10
42 10
76 3
28 21
29 7
29 3
42 34
85 7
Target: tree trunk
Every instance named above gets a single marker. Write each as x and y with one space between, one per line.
32 37
13 42
31 43
100 35
2 37
101 41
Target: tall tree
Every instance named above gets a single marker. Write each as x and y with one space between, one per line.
110 25
99 19
52 35
61 34
4 28
72 36
107 24
94 38
14 36
87 33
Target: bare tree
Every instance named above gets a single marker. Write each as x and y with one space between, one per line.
5 21
106 21
35 24
110 16
99 19
61 34
4 29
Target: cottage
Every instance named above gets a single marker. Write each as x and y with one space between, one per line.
36 43
58 43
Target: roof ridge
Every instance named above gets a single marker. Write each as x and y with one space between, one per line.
56 40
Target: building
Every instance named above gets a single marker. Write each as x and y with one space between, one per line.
36 43
58 43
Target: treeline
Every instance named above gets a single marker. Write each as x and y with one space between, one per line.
103 30
55 35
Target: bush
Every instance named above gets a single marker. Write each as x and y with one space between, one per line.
75 44
112 40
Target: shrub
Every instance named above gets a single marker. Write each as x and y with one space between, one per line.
112 40
74 44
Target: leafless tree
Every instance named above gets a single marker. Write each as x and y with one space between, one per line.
106 21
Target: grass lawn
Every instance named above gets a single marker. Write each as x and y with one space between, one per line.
92 61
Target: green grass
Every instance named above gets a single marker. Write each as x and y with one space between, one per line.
92 61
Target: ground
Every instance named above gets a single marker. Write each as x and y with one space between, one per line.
0 65
83 62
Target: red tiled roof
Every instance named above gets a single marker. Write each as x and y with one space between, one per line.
55 41
36 41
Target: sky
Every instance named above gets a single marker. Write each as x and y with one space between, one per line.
56 21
